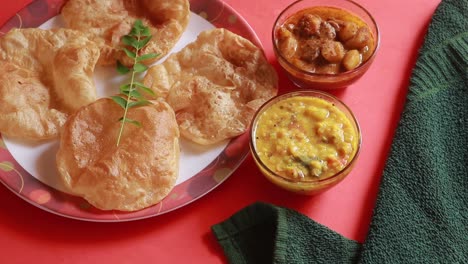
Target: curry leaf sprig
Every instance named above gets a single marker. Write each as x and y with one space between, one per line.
132 93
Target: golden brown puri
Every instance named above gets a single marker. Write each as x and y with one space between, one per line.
109 20
46 75
138 173
215 85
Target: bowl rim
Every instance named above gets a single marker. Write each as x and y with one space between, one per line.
351 72
302 92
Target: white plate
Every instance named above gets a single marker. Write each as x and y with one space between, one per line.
28 169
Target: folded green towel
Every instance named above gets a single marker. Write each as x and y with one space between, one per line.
421 213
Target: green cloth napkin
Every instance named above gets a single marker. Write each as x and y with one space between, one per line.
421 213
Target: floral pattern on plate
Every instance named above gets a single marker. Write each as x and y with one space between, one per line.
19 181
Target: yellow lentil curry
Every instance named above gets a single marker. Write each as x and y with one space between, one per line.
305 138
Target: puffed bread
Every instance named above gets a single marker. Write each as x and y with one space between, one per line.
138 173
46 75
215 85
108 20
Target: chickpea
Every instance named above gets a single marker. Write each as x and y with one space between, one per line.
288 48
287 43
309 25
333 51
360 40
347 31
352 59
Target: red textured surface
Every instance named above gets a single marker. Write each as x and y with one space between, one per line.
30 235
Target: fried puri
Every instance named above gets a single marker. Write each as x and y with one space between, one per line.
138 173
214 85
109 20
46 75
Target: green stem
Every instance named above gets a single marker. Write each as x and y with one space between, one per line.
128 96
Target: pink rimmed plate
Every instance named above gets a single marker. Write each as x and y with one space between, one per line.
29 171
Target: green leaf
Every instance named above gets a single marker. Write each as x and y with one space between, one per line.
131 121
138 27
122 69
130 41
134 32
136 94
138 24
146 32
138 37
138 67
143 42
139 84
129 53
120 101
147 90
147 56
124 88
139 103
144 88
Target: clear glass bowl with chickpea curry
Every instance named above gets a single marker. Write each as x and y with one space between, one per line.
325 44
305 141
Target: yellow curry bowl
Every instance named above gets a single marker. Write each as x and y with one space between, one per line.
325 44
305 141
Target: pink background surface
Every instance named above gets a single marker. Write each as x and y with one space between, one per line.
31 235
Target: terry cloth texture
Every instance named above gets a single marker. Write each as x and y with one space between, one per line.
421 212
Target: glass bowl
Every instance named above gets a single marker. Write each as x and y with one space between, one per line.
308 79
266 156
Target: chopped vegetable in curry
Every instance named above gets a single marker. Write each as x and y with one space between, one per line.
305 138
